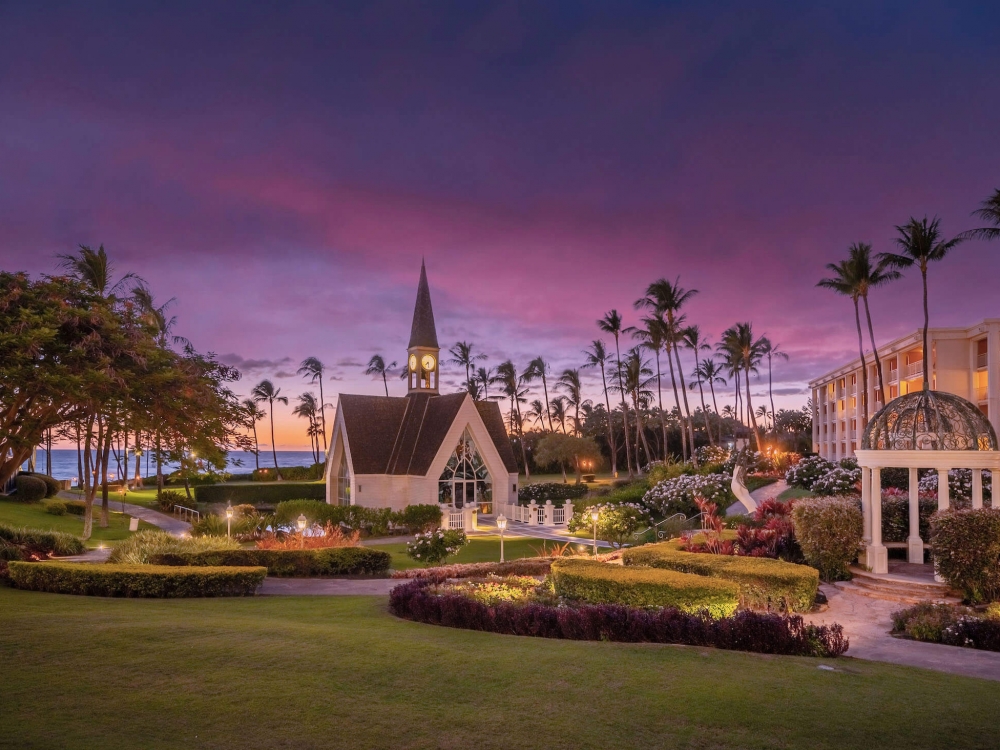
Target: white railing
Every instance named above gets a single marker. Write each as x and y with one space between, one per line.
982 393
538 515
852 391
981 360
456 519
894 376
187 514
559 516
914 369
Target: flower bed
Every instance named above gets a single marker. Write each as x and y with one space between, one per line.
762 583
600 583
135 580
677 495
951 625
745 631
337 561
528 566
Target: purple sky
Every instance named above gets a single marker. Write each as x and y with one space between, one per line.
282 171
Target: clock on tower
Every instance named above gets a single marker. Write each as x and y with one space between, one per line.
423 349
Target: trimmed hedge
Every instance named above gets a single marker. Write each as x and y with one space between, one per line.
335 561
557 492
76 507
759 632
29 489
763 583
967 551
601 583
40 541
52 486
259 493
829 530
135 580
526 566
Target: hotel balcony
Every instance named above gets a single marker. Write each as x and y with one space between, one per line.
981 361
982 393
914 370
894 376
852 391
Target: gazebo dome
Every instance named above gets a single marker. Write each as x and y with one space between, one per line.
929 420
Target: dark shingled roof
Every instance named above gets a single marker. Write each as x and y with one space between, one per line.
423 331
392 435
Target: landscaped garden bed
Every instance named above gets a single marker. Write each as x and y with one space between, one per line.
337 561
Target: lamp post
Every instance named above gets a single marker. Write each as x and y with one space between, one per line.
123 490
229 519
301 523
594 515
502 525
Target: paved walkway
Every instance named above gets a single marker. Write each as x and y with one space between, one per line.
329 586
488 524
867 624
163 521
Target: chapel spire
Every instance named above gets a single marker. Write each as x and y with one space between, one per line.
423 349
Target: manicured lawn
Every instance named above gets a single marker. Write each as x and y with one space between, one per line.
34 516
331 672
479 549
794 493
601 479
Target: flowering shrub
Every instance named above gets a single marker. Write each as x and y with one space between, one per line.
745 631
434 546
959 485
712 454
838 481
495 589
829 530
557 492
616 523
329 536
805 473
677 495
948 624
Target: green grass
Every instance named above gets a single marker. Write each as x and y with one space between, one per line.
479 549
34 516
600 479
332 672
794 493
755 483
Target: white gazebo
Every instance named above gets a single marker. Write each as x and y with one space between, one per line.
922 430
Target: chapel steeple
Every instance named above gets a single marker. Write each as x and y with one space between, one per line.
423 350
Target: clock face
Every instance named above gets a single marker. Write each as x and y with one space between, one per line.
427 362
413 363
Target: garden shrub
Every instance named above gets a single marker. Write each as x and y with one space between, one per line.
829 530
135 580
838 482
769 532
616 523
926 621
895 478
258 493
336 561
896 514
419 518
712 454
678 495
763 583
76 507
967 551
632 492
745 631
330 536
38 541
56 508
557 492
660 471
526 566
29 489
434 546
601 583
290 473
140 548
959 485
52 486
805 473
372 521
169 498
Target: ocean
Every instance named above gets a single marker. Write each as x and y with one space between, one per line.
64 462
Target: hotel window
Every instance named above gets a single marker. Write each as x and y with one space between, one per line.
854 425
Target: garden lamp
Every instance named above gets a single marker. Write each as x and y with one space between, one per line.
594 515
229 519
301 522
502 525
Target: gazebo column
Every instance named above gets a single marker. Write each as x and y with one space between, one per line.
943 489
866 505
877 558
914 544
977 488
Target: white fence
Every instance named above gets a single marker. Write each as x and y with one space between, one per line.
538 515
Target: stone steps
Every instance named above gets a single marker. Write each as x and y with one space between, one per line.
896 588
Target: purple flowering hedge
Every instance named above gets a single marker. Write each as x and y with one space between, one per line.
765 633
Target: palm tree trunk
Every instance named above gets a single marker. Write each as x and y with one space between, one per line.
701 394
640 435
739 404
322 413
927 358
274 451
677 401
753 419
256 445
611 433
878 359
864 364
621 389
770 391
687 409
520 433
105 458
159 467
659 398
715 405
545 390
385 383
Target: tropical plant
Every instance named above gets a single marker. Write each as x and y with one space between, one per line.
308 409
989 211
569 382
920 243
612 323
597 356
313 369
511 387
378 367
637 378
254 415
746 352
829 530
461 355
772 351
485 377
653 337
265 391
538 369
693 340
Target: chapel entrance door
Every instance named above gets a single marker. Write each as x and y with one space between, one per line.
465 492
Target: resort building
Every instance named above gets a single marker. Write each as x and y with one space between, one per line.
390 452
961 360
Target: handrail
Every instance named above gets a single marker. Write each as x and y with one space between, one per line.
191 513
660 533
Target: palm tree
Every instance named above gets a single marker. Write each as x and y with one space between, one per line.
920 243
265 391
747 351
597 356
95 270
485 377
462 355
870 276
536 412
538 368
308 409
612 323
731 366
569 382
710 372
653 337
511 388
989 211
557 412
637 378
764 414
254 415
312 369
772 350
845 281
377 366
693 341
